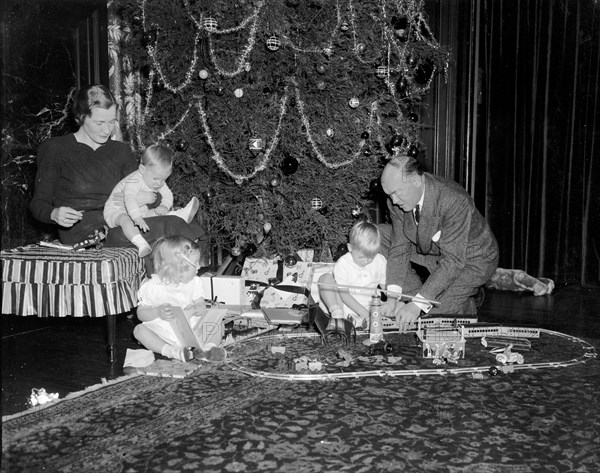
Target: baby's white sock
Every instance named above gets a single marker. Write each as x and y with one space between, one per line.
176 353
144 248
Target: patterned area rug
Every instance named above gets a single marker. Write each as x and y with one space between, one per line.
220 419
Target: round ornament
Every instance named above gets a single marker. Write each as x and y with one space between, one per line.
356 211
413 117
210 24
181 145
238 93
274 182
381 72
290 261
316 203
360 47
364 135
158 85
367 152
289 165
330 132
149 37
344 26
396 141
321 69
203 74
220 91
413 151
209 195
247 67
273 43
250 249
401 86
423 72
267 228
239 182
235 251
341 250
328 52
354 102
321 85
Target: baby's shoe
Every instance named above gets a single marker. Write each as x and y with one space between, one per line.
210 353
358 321
189 211
177 353
336 312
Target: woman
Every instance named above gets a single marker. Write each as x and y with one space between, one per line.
77 172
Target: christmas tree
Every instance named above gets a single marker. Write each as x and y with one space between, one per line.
282 112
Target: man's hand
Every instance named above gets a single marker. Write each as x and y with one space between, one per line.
66 216
406 314
141 224
161 210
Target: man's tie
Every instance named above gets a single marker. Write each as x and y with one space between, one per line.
417 213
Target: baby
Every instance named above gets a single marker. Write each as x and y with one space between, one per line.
122 210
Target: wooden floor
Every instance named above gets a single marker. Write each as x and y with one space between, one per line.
65 355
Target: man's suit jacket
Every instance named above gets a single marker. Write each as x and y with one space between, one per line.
453 240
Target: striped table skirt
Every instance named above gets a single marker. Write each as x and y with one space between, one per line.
50 282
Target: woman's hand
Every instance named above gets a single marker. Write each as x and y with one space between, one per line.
161 210
165 312
66 216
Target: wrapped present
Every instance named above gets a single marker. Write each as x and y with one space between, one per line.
293 290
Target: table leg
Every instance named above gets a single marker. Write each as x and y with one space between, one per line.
111 320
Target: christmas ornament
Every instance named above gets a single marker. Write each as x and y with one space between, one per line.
364 135
330 132
250 249
256 144
220 91
341 250
203 74
396 141
375 186
290 261
238 93
423 72
210 24
274 182
316 203
356 211
360 47
321 69
413 151
344 26
149 37
381 72
367 152
401 86
273 43
158 85
235 251
413 117
239 182
247 67
328 52
267 228
289 165
321 85
181 145
354 102
209 195
400 26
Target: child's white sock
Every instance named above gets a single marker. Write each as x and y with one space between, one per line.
176 353
144 248
189 211
210 352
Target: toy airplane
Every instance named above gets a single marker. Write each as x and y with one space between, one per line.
397 295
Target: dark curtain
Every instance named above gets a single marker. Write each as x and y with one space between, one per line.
538 139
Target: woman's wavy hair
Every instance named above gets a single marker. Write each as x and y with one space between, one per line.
90 97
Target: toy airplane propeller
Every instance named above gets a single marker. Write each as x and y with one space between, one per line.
397 295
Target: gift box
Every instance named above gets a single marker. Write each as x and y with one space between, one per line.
230 290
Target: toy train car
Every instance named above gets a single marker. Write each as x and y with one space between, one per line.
432 321
488 330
